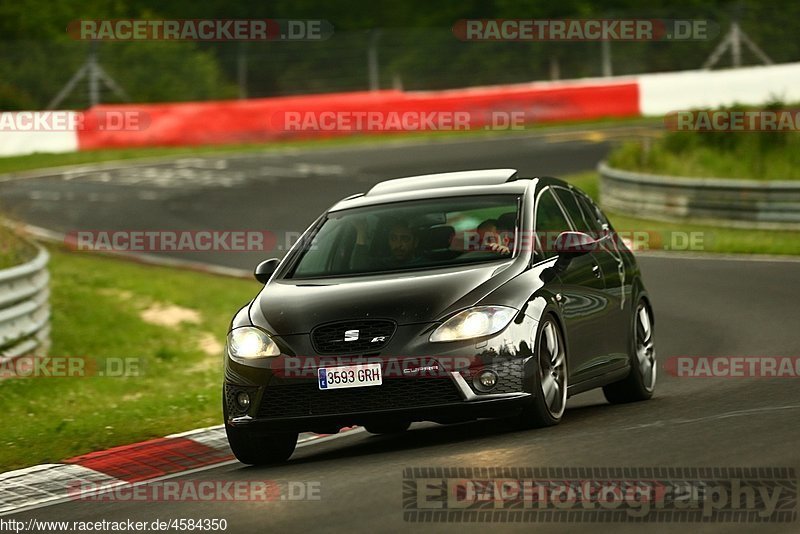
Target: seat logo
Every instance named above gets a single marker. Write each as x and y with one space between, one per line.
351 335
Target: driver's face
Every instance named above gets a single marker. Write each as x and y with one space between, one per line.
401 243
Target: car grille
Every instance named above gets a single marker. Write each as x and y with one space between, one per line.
510 377
330 338
295 400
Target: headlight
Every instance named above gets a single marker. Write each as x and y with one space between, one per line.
474 322
250 342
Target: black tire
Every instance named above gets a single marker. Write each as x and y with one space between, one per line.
549 364
387 427
254 447
261 448
640 383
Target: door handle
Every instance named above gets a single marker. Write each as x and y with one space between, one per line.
596 270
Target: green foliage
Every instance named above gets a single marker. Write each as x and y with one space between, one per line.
761 155
416 46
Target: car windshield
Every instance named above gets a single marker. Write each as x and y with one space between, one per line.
411 235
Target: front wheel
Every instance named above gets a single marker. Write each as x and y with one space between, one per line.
261 448
641 382
549 396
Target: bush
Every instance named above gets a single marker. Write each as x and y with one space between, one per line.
769 155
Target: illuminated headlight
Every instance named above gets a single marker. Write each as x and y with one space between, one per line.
249 342
474 322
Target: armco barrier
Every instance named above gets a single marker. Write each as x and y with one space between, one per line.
739 203
25 309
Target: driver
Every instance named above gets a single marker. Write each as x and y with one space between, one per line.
402 243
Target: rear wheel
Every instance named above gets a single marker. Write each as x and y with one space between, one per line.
387 427
641 382
546 406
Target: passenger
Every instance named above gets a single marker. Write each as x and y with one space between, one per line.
491 238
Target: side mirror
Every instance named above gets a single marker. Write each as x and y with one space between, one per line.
570 245
266 269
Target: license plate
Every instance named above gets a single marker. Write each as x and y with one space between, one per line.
350 376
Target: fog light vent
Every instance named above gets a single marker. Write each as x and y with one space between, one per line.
243 400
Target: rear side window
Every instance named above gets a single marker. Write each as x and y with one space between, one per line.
550 221
570 203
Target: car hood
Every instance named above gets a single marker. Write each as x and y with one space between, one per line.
296 306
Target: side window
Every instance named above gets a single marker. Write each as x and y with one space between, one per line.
574 211
550 221
593 215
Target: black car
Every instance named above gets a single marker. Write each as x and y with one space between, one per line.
442 298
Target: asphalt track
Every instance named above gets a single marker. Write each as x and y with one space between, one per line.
703 307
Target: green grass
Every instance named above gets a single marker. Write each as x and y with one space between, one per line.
97 302
13 249
40 161
714 238
739 154
706 162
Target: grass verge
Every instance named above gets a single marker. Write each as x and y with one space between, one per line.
711 238
13 249
111 309
754 155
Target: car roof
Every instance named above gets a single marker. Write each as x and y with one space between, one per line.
449 184
445 179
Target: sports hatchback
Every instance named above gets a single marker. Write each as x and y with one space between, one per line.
442 298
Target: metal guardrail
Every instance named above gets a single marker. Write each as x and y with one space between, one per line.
25 309
728 202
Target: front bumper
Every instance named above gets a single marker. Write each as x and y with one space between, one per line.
332 423
285 395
